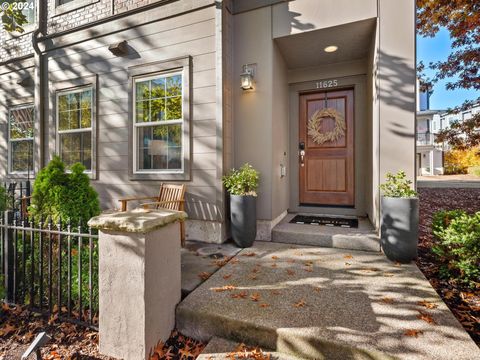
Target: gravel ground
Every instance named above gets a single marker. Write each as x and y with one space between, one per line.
464 303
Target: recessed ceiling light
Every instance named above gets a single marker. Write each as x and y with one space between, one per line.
331 48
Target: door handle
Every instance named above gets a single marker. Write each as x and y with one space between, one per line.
301 146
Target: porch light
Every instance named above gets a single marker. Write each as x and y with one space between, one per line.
331 48
246 77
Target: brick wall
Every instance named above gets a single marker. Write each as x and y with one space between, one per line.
14 46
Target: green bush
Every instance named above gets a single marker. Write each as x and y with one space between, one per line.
3 199
454 169
397 185
61 195
243 181
458 248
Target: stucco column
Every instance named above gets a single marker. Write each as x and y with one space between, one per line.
139 280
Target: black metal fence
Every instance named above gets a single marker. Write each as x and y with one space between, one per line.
52 268
17 196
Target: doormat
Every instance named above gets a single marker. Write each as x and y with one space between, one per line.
324 220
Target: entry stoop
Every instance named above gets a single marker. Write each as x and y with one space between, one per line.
363 238
321 303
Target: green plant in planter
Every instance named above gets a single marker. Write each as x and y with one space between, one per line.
243 181
398 186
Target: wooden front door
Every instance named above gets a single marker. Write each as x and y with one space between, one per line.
327 143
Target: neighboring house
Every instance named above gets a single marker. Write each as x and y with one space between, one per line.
145 92
429 153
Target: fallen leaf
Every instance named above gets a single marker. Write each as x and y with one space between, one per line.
255 270
240 295
224 288
255 297
317 289
412 332
300 303
308 263
369 270
7 329
308 269
426 317
275 292
249 254
387 274
290 272
275 257
227 276
427 304
252 277
397 263
204 275
291 261
264 305
347 264
387 300
348 256
274 265
448 295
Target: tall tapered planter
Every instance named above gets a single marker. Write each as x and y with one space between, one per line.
399 228
243 216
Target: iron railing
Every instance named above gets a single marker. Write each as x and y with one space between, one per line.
52 268
17 197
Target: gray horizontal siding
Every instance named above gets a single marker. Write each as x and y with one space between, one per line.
192 35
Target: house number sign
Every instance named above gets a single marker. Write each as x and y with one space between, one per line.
327 84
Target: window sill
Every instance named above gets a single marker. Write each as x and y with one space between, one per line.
65 8
183 176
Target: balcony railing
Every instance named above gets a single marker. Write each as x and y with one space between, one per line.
425 139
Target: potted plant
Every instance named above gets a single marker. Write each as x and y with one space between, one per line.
242 185
399 218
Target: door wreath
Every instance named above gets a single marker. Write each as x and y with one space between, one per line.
315 121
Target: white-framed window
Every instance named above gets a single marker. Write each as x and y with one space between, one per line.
158 121
63 2
20 139
75 116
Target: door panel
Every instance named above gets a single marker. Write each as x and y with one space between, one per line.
327 175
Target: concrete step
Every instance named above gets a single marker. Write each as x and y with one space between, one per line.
321 303
222 349
363 238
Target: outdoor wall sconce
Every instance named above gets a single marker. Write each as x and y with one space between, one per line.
246 77
25 81
119 49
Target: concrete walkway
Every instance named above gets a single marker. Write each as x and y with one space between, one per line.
325 303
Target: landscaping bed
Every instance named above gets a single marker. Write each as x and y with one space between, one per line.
463 302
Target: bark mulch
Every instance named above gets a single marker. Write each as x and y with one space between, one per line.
463 302
19 327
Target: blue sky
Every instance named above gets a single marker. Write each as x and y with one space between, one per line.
434 49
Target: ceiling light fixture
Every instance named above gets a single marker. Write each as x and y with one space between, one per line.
331 48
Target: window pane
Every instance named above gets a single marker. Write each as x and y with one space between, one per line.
142 91
86 118
74 100
174 85
21 155
142 111
64 120
61 2
86 99
174 108
158 88
74 119
158 109
29 11
160 147
62 103
75 148
21 123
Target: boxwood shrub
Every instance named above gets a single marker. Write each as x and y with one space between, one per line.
458 247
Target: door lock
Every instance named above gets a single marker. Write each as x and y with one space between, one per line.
301 146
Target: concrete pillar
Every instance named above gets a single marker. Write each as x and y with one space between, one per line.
139 280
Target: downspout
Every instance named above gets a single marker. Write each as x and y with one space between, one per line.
40 82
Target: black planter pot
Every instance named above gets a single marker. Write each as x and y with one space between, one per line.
399 228
243 215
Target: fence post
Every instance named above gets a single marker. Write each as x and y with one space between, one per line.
9 256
